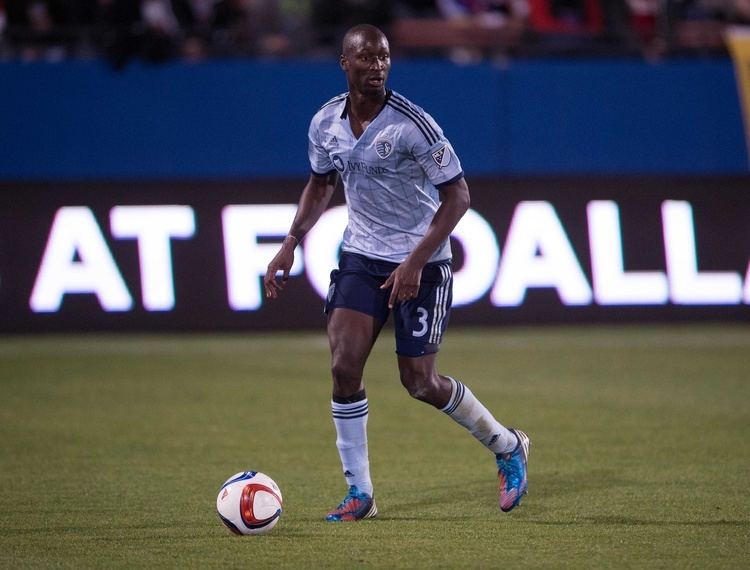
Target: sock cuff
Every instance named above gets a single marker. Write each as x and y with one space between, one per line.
353 399
457 396
349 411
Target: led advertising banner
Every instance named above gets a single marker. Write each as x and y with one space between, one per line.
191 256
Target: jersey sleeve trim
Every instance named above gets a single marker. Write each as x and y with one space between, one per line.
457 177
323 174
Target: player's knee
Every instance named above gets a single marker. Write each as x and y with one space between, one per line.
421 393
345 373
417 385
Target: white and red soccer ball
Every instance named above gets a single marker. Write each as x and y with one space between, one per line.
249 503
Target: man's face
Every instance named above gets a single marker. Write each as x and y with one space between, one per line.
367 62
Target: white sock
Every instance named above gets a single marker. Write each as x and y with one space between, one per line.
350 420
465 409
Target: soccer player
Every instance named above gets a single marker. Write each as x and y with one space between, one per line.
405 191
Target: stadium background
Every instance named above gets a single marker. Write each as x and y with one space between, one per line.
81 138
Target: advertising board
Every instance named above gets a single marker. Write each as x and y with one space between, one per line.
191 255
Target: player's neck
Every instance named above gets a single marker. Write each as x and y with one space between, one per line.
365 106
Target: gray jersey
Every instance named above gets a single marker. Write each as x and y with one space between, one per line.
390 174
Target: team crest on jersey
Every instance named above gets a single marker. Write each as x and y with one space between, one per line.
383 146
442 157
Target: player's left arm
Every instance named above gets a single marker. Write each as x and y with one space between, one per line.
405 279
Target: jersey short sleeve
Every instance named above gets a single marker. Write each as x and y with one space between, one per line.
320 160
435 153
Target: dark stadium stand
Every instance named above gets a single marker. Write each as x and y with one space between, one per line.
159 30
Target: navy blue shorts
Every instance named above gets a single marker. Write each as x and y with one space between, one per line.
419 323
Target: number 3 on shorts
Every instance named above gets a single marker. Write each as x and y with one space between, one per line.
423 314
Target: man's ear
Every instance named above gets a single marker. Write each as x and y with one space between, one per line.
343 62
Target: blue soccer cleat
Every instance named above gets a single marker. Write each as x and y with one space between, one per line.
355 506
511 471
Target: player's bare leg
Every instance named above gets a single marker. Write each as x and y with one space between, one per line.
351 336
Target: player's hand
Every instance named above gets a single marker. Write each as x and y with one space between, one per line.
404 281
282 261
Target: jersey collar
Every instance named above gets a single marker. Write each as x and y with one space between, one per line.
345 111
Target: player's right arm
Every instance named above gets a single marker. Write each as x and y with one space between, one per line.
314 200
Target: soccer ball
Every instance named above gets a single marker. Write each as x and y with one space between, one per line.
249 503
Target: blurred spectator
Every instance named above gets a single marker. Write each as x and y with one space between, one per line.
81 19
646 23
488 12
161 35
483 15
566 16
37 29
196 21
415 9
146 29
697 26
643 17
296 18
3 27
618 30
250 28
468 30
605 27
733 11
331 18
118 38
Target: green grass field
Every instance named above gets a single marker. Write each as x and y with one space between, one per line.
112 450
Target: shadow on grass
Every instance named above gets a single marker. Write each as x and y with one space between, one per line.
552 485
